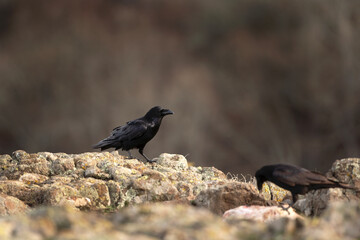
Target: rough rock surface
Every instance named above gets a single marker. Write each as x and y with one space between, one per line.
109 181
345 171
279 194
149 221
221 197
343 218
54 186
174 221
10 205
260 213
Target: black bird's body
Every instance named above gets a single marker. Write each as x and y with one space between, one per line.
295 179
135 134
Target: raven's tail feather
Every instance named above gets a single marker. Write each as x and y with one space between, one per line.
103 144
104 148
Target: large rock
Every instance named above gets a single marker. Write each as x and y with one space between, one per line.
341 220
277 193
260 213
345 171
221 197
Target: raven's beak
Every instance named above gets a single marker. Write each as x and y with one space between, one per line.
165 112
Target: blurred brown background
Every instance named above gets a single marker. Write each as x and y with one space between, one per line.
251 82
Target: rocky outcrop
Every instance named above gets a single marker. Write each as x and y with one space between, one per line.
164 200
109 181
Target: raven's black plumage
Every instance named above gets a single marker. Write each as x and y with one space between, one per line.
136 133
295 179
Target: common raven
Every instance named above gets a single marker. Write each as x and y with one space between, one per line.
135 134
295 179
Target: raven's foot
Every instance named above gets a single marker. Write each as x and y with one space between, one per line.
150 161
286 208
147 159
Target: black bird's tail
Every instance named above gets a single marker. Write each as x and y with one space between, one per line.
103 144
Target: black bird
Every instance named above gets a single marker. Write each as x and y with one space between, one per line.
295 179
135 134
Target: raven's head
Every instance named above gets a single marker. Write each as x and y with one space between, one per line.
260 179
158 112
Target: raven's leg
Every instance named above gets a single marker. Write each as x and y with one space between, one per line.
294 198
130 156
286 208
147 159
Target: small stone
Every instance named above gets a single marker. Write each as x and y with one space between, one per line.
20 155
91 171
212 174
3 178
48 156
63 165
173 161
33 178
5 159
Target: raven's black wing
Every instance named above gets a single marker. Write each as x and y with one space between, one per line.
130 131
292 176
